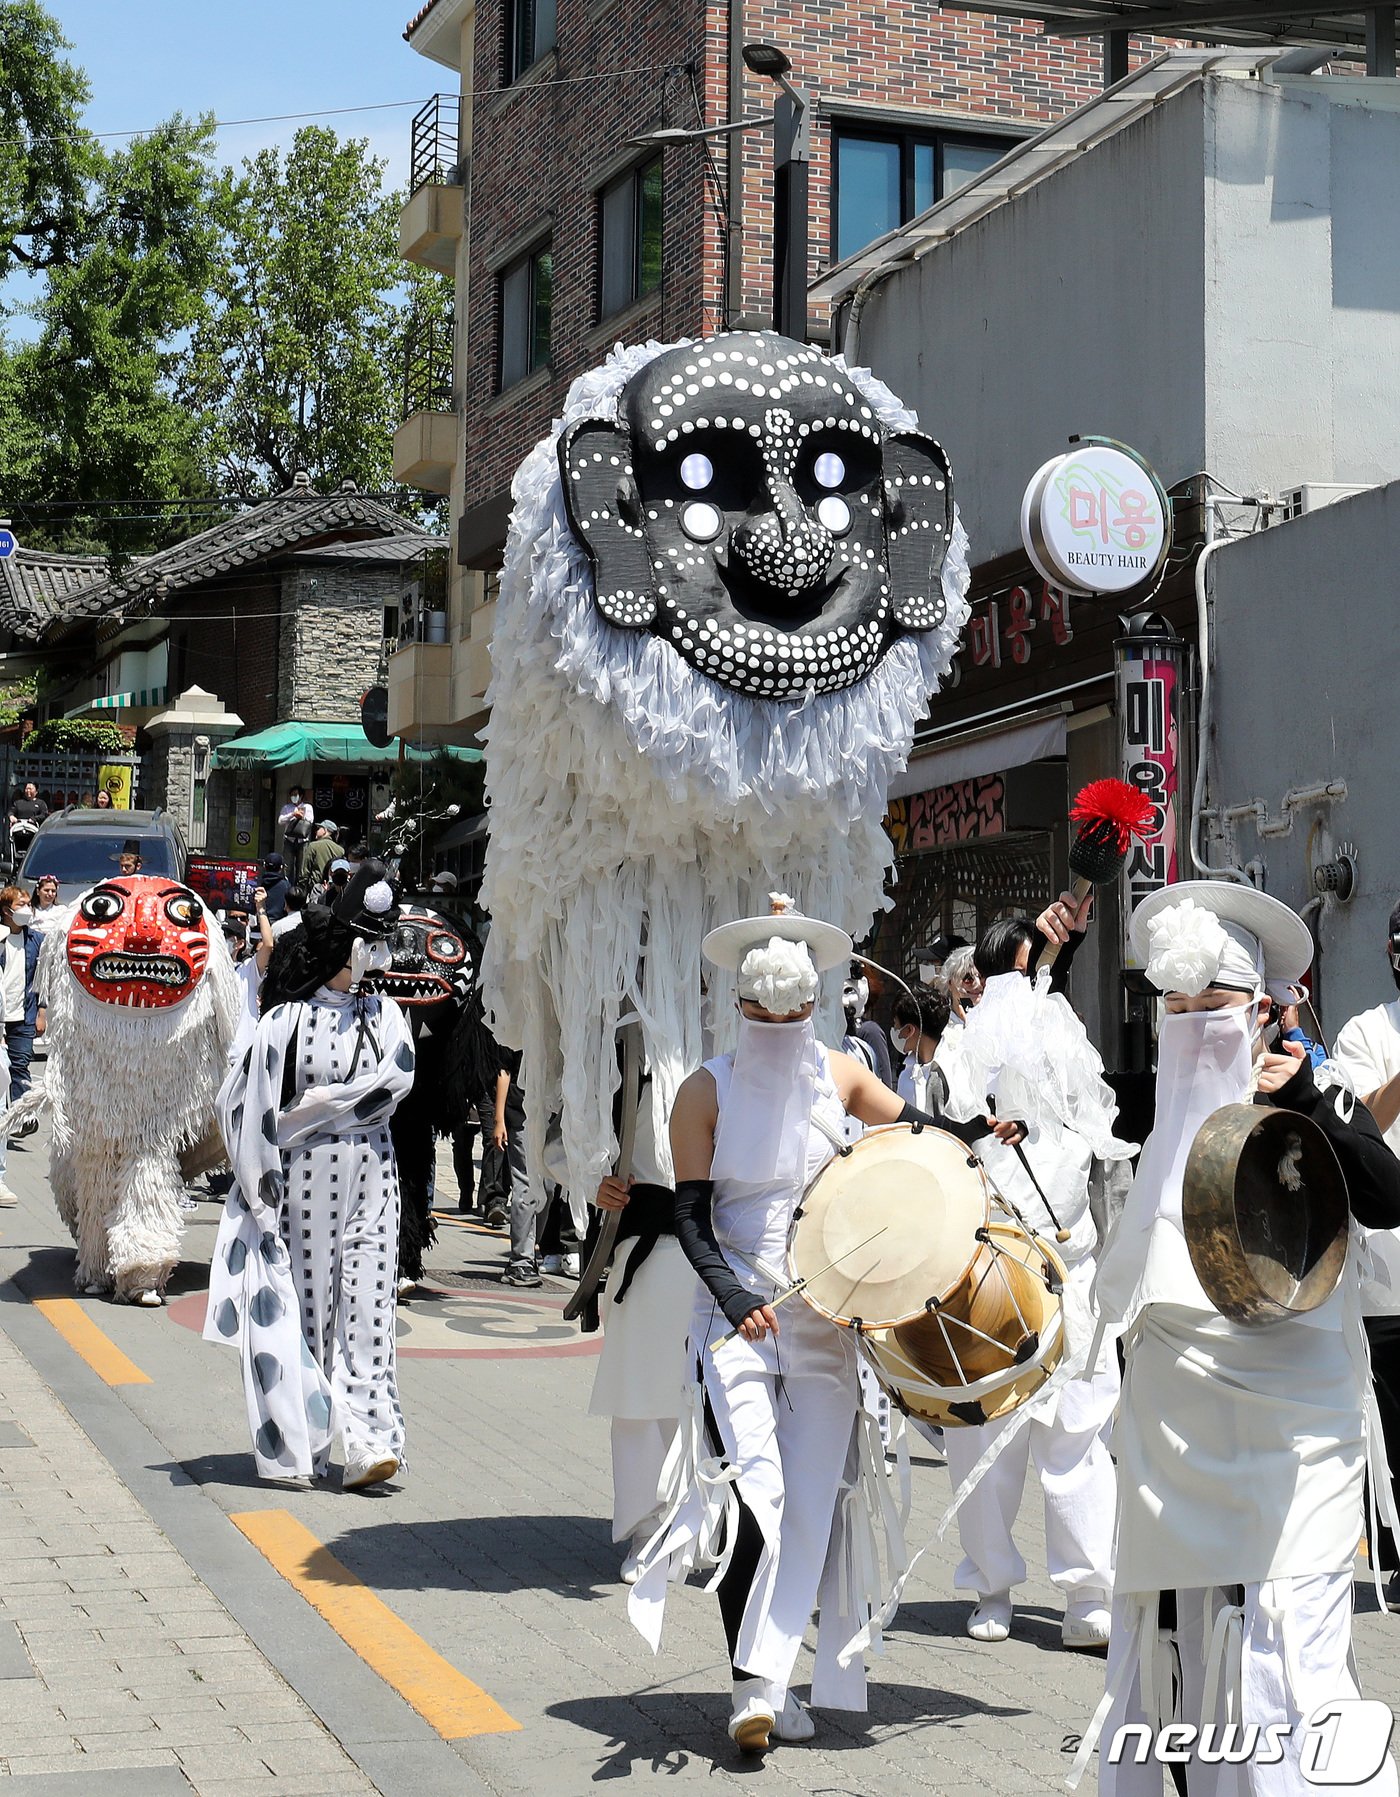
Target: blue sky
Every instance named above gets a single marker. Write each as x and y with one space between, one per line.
246 58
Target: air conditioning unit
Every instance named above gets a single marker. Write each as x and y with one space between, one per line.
1314 494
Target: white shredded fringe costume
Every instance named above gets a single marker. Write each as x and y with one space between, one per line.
777 1429
1241 1450
304 1272
1024 1046
642 1371
130 1089
636 802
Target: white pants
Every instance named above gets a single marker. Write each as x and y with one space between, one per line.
639 1450
1076 1477
1277 1684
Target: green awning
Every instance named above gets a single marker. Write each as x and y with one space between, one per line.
287 745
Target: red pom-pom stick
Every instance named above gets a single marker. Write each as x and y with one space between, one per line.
1112 805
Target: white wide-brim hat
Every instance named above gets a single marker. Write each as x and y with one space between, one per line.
727 945
1280 932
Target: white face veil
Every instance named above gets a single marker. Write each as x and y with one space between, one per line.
767 1116
1205 1060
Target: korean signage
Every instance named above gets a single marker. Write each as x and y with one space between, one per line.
1096 520
223 884
948 814
1151 673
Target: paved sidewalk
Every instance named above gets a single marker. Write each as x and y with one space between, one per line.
113 1654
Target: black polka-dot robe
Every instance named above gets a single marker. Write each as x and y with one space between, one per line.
305 1266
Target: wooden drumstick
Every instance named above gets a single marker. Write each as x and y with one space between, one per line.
792 1290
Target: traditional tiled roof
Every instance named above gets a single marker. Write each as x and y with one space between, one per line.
35 583
377 549
418 18
293 521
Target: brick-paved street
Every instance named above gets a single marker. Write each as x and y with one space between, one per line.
140 1629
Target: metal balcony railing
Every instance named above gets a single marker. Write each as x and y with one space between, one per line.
435 150
427 371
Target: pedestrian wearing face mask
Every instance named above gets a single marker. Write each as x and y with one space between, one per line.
1241 1449
777 1406
919 1023
24 1015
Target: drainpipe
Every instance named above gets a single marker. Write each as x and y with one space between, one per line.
1198 860
734 222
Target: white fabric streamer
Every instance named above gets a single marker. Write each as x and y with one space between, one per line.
635 804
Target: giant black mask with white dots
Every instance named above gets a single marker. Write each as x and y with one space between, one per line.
750 508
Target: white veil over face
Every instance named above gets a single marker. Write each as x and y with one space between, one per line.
636 803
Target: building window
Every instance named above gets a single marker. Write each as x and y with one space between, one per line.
629 231
885 178
532 27
527 290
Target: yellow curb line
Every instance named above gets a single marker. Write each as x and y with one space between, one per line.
84 1337
445 1699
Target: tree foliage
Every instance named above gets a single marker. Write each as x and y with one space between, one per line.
294 366
47 160
200 332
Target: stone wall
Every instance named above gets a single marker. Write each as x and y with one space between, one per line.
333 619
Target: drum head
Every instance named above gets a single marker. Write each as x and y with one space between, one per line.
928 1203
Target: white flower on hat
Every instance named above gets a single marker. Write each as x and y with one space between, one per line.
1186 944
780 977
379 898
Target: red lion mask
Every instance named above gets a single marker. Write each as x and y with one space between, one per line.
140 941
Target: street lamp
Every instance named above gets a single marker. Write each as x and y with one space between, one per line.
790 121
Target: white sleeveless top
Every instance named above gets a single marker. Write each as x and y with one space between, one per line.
752 1222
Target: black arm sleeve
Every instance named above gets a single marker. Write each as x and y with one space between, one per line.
1370 1168
695 1231
1059 971
970 1132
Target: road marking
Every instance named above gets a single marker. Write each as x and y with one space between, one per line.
84 1337
445 1699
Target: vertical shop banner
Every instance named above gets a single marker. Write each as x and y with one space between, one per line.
1149 722
115 780
244 824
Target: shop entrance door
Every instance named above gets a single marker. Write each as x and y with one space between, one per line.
961 889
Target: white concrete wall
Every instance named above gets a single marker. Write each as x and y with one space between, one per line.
1305 682
1217 284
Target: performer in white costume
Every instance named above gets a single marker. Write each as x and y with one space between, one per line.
1240 1450
774 1498
1023 1046
303 1276
641 1374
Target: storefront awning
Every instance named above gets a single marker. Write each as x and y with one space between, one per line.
287 745
148 696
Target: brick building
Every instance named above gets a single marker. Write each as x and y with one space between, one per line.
274 619
565 237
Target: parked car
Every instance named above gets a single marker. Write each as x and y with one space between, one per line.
80 847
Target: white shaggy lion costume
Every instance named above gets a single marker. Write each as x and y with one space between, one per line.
661 751
142 1005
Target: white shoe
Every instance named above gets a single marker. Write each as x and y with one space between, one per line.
991 1619
94 1288
551 1263
7 1197
631 1567
149 1300
751 1720
1086 1627
368 1469
794 1721
570 1266
406 1286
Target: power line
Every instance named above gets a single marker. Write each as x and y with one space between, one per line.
331 112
